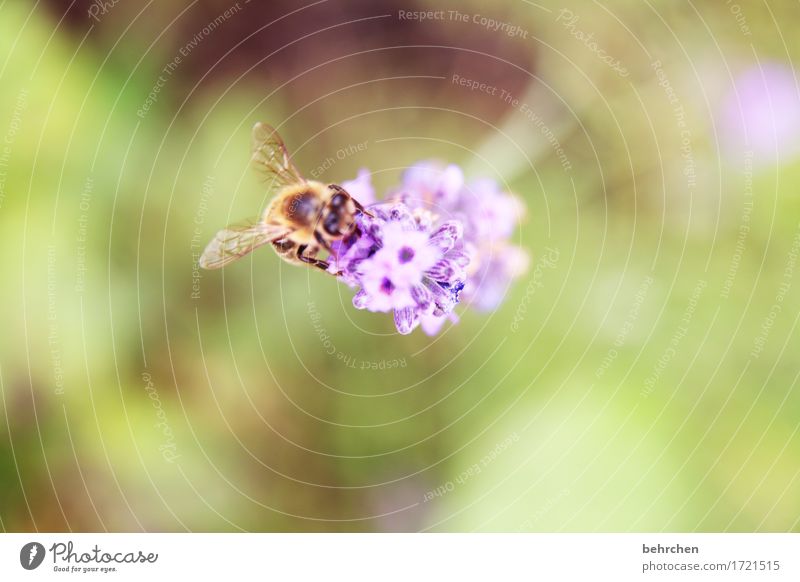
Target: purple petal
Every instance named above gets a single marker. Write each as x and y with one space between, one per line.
422 297
445 237
361 188
446 271
381 212
445 297
460 258
432 324
361 299
406 319
400 213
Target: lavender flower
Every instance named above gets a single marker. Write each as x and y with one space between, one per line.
761 114
402 264
489 217
433 242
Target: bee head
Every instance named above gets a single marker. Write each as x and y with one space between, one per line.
338 215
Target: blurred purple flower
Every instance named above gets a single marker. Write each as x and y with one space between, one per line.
490 213
432 324
493 273
761 113
432 185
361 188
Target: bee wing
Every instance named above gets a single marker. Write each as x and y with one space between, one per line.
237 240
271 159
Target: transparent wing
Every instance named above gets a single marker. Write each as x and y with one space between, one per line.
237 240
271 159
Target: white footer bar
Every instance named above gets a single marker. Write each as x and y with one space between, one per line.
353 557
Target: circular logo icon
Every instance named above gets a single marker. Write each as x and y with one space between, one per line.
31 555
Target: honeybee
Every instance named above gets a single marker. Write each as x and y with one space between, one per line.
303 218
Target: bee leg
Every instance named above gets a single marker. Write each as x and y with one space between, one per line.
284 247
325 245
321 240
310 259
361 208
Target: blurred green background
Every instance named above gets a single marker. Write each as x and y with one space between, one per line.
638 377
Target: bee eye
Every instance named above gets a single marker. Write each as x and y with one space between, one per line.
331 223
338 200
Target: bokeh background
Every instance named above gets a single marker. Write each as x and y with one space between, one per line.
643 374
